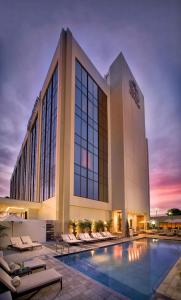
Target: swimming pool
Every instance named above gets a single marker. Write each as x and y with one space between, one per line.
134 269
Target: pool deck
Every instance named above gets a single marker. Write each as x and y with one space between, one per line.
77 286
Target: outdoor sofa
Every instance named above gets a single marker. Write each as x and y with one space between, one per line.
30 283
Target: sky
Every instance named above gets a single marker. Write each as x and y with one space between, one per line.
149 35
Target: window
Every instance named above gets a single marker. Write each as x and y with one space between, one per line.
33 157
48 139
90 150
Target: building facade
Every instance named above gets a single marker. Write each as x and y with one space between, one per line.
85 154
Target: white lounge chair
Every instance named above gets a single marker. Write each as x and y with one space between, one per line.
11 269
86 238
170 233
70 239
98 236
27 240
30 283
179 233
16 242
109 235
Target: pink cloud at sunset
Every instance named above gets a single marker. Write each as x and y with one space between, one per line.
165 191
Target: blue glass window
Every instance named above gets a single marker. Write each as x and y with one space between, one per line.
90 151
48 139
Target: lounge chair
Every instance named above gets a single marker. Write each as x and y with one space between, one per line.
30 283
132 232
162 232
33 264
179 233
170 233
86 238
27 240
71 239
108 235
16 242
98 236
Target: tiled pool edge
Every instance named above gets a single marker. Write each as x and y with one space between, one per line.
157 293
171 284
118 241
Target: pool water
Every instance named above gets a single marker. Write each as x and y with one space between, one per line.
134 269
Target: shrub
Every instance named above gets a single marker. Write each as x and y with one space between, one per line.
85 225
73 226
109 225
99 225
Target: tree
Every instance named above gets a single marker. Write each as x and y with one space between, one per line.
174 212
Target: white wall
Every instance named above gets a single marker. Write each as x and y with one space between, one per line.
36 229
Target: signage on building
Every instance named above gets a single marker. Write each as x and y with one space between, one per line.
134 92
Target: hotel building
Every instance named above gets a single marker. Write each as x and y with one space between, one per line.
85 153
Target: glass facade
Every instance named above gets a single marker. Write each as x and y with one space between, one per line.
33 158
91 141
48 139
18 183
23 181
24 173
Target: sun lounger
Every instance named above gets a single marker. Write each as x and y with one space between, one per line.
108 235
170 233
71 239
86 238
179 233
30 283
27 240
162 232
12 268
98 236
16 242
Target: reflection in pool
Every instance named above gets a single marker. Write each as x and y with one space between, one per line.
134 269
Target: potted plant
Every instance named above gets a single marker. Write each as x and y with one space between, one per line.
85 225
99 225
73 226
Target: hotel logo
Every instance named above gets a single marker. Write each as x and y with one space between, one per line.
134 92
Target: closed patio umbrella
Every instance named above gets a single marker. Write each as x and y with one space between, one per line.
12 219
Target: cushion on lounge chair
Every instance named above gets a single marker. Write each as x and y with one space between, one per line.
15 240
27 240
72 237
65 237
6 280
4 265
16 281
10 268
38 279
17 243
34 263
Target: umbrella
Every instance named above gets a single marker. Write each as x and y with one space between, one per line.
12 219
